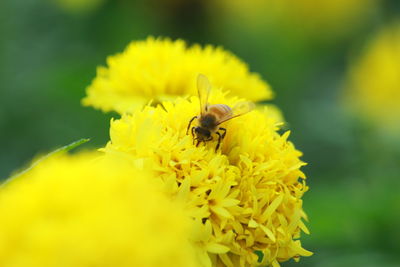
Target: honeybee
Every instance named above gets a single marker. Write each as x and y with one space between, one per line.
211 116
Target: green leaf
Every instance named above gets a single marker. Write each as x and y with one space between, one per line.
60 150
70 146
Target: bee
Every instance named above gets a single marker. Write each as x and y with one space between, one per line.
211 116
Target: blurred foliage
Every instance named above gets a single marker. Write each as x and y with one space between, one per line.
49 54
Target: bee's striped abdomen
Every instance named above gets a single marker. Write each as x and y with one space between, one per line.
221 111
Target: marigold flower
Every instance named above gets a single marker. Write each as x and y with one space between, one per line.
161 69
374 81
309 16
77 211
244 198
78 6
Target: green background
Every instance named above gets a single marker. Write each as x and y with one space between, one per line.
48 55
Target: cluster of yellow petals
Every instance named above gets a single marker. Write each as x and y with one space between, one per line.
162 69
374 81
246 197
88 211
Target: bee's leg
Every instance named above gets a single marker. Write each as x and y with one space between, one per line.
193 128
223 135
198 142
220 137
190 123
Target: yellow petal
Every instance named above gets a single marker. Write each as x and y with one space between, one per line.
217 248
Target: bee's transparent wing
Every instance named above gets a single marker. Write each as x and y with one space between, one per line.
203 88
239 109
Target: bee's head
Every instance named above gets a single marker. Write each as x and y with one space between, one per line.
202 134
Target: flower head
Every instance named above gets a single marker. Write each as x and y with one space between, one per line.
161 69
78 6
374 81
246 197
311 17
86 211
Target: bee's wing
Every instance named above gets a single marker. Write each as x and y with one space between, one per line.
203 88
239 109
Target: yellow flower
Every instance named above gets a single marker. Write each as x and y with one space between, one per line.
310 16
161 69
246 197
81 211
374 81
78 6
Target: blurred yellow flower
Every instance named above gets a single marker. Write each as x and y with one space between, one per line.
373 88
78 6
244 198
311 16
84 211
161 69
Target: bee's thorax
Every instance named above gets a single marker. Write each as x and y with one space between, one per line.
208 121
